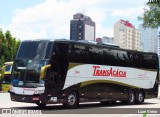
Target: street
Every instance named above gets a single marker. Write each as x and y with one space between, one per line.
111 110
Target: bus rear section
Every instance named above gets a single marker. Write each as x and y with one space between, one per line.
68 72
6 76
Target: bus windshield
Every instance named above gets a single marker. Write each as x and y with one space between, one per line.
34 50
31 56
8 68
27 72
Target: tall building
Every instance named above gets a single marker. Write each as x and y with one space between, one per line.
82 28
126 35
149 38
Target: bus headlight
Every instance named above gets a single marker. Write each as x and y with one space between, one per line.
39 92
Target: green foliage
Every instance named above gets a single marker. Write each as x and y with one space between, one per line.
145 115
151 16
8 47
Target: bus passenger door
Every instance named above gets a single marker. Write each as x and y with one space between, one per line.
53 81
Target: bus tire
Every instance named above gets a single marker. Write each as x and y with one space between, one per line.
131 97
41 105
140 97
71 100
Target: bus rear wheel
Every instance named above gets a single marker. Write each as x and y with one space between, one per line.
71 100
131 97
140 97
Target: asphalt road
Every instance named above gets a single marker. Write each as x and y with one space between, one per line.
150 106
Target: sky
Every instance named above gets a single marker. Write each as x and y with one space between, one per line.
40 19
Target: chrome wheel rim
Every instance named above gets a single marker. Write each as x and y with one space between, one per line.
131 97
71 99
140 97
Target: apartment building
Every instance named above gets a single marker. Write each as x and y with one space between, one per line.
126 35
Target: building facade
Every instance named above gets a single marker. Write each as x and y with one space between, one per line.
149 38
126 35
82 28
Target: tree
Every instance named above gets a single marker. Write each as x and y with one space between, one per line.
1 48
151 16
8 37
8 47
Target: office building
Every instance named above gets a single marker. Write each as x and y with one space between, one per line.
149 38
82 28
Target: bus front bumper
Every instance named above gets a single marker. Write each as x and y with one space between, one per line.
34 99
26 98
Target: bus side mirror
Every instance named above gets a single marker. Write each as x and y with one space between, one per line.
44 70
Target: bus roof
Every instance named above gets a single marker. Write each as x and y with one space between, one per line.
8 63
100 45
85 42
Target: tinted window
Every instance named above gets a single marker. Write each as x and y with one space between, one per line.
111 56
142 60
150 61
34 50
79 53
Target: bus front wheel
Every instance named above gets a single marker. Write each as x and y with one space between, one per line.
71 100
